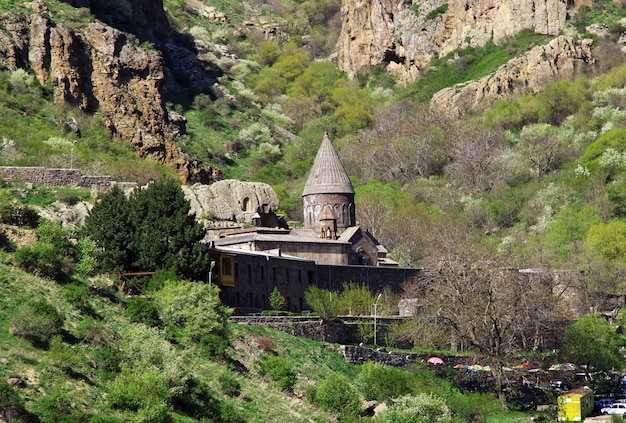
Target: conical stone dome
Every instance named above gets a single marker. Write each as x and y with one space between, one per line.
327 175
328 185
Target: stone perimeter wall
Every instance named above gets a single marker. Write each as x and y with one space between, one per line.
341 331
57 177
345 333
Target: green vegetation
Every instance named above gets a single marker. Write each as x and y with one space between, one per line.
437 12
472 63
533 182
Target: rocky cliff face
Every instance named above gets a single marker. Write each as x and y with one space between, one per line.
98 67
563 57
405 35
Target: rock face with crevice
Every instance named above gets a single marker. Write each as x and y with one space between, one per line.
404 36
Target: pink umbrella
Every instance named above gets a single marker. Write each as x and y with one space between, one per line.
435 360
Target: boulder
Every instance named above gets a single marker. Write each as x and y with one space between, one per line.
231 200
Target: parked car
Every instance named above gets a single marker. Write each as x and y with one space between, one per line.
617 408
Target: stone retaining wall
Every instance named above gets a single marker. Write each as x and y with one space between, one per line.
344 331
58 177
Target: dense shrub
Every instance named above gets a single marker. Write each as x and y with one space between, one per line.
142 310
51 256
42 259
422 408
229 383
37 321
379 382
58 406
197 400
142 391
319 301
336 394
279 370
76 295
108 361
196 308
11 404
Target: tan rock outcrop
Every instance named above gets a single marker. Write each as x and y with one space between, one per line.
563 57
231 200
99 68
405 35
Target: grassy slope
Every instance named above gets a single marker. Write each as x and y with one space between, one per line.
46 371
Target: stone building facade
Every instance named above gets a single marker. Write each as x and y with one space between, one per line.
329 251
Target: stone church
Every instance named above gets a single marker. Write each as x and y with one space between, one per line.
328 251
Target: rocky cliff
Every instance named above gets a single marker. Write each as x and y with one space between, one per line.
563 57
404 36
100 68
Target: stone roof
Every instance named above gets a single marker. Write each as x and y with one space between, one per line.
327 175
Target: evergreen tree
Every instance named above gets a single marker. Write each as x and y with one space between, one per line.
166 235
110 225
149 231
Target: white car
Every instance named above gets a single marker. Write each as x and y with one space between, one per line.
617 408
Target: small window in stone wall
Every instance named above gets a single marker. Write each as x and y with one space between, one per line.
245 204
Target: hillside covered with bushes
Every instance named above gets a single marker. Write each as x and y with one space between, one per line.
197 92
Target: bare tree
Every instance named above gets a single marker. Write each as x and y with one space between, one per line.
468 301
474 155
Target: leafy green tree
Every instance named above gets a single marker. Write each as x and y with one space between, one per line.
605 255
614 138
166 235
277 301
110 225
51 256
267 53
565 235
355 299
593 342
608 241
560 100
320 301
88 253
292 62
196 307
